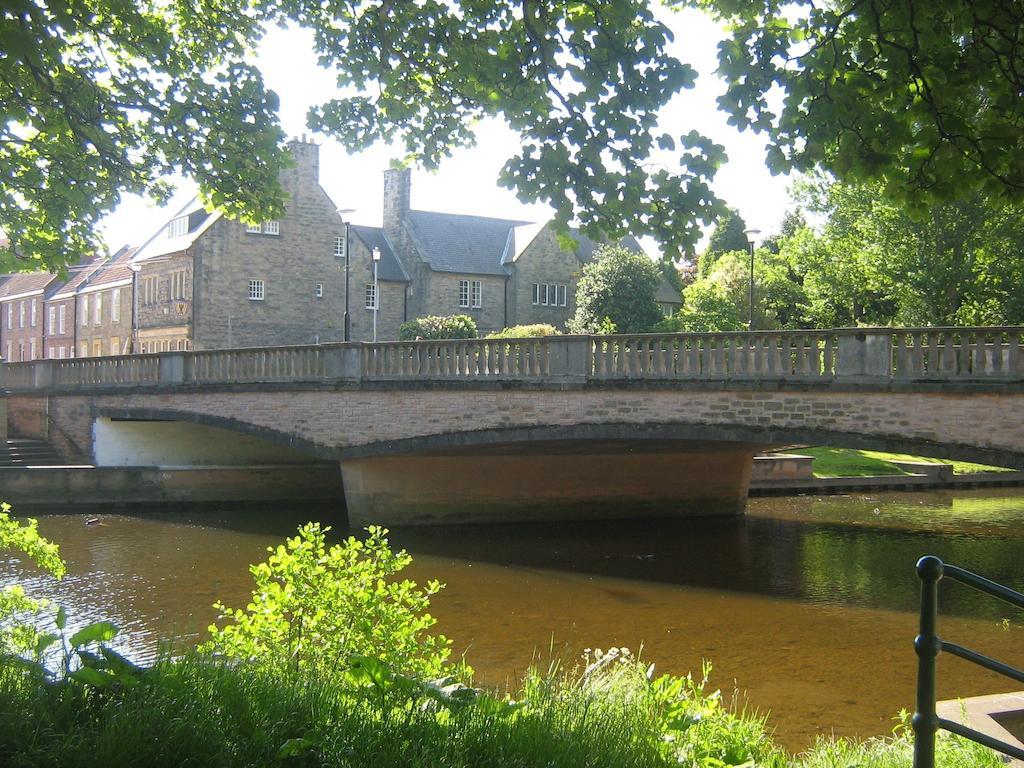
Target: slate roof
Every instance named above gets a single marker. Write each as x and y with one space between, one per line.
77 275
524 235
117 269
453 242
26 282
667 294
390 268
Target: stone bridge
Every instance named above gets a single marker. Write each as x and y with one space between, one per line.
555 427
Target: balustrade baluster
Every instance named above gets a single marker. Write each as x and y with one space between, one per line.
1013 354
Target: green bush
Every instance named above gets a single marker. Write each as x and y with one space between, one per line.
525 332
436 327
314 606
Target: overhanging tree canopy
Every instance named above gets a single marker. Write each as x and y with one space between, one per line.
103 97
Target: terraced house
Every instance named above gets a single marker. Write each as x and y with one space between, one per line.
21 315
104 317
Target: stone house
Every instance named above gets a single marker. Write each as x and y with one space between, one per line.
21 315
60 306
206 282
500 272
103 321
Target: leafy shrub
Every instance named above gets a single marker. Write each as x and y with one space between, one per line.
525 332
436 327
315 606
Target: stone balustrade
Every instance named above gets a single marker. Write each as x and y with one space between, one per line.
871 355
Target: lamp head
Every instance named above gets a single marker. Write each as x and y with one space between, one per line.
751 235
376 254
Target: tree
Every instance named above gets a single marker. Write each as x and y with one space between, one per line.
728 234
104 97
919 97
617 288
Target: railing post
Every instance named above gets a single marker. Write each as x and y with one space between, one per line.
864 355
569 357
344 362
172 367
3 402
42 374
927 645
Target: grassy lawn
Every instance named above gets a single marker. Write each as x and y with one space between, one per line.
846 462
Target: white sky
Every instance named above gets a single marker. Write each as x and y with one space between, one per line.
467 182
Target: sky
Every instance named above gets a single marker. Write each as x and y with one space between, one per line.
467 182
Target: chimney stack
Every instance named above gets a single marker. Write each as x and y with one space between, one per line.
397 184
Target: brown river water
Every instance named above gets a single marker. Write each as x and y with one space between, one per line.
806 604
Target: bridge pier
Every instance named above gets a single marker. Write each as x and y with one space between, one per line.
561 481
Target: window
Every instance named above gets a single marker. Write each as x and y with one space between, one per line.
10 318
115 305
51 323
61 318
53 353
536 293
97 309
21 351
31 349
477 290
21 313
85 312
463 293
178 284
318 290
550 294
371 296
115 345
33 315
61 352
339 247
97 347
85 349
544 294
256 290
562 295
9 350
150 290
178 227
266 228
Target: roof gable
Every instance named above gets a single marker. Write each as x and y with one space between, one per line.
451 242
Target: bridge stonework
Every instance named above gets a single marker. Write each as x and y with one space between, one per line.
461 443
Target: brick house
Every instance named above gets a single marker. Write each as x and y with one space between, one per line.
21 315
103 321
60 306
207 282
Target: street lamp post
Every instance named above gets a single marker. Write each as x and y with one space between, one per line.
751 239
345 245
376 292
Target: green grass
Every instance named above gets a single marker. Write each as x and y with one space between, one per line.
846 462
197 712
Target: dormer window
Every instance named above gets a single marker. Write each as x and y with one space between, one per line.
178 227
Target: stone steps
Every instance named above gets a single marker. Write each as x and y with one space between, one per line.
22 452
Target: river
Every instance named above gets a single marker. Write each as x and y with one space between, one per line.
806 604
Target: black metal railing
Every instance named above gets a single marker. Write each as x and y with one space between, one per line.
929 645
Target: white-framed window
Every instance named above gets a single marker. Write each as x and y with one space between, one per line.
115 305
21 351
476 291
463 293
97 347
266 228
61 352
33 315
257 290
10 318
84 316
53 353
536 293
21 313
178 284
318 290
31 349
562 295
339 247
51 323
9 350
178 227
97 309
371 296
62 316
115 345
550 294
85 349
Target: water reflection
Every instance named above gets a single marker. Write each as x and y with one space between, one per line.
806 603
